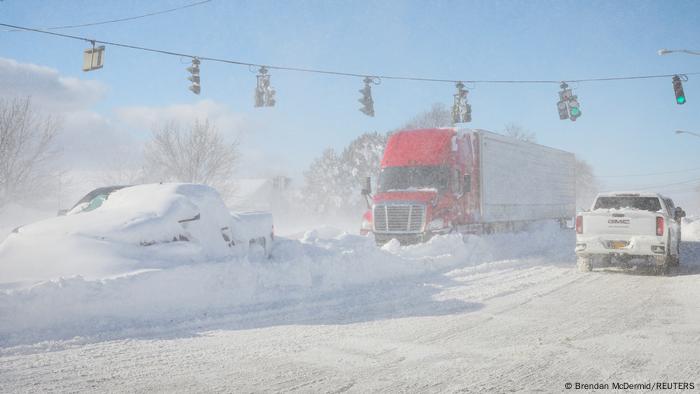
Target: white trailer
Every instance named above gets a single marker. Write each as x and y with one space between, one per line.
522 181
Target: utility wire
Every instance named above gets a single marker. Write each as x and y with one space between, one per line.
649 174
338 73
130 18
661 186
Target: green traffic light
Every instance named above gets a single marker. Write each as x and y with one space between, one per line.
574 111
680 99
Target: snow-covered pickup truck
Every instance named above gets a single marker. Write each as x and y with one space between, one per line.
132 227
624 226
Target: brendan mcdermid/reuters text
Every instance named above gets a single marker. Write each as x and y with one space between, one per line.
631 386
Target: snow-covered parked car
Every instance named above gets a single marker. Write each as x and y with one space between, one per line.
623 226
154 224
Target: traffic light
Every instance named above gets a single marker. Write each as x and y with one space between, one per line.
563 110
93 58
264 93
467 115
574 108
461 109
568 105
366 100
194 76
678 90
564 96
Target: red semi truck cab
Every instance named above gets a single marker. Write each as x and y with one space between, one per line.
427 185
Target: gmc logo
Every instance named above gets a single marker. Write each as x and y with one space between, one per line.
618 221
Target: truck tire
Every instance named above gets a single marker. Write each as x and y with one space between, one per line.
664 268
671 260
584 264
677 259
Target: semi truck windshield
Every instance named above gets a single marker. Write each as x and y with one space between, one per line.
404 178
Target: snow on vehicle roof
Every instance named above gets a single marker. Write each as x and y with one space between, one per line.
629 194
136 207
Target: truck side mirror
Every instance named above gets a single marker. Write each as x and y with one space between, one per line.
467 185
367 188
679 213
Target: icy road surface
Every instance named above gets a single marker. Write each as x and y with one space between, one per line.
502 313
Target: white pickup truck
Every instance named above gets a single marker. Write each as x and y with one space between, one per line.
624 226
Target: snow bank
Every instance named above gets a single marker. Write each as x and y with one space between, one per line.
690 229
14 215
322 261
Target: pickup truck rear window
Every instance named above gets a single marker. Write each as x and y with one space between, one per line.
642 203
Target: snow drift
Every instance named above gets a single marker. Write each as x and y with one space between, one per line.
690 229
321 261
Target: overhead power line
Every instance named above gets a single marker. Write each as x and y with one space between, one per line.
649 174
130 18
341 73
690 181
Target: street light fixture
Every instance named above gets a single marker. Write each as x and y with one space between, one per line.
687 132
665 51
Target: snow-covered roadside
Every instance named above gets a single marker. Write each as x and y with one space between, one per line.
690 229
15 215
319 263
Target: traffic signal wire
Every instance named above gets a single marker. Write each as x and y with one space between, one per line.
333 72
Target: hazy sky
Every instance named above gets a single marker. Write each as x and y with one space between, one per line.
626 127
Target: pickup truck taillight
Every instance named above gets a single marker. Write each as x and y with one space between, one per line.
579 224
659 226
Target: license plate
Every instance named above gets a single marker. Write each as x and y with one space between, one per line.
618 244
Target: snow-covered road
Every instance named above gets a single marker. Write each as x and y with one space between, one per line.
500 324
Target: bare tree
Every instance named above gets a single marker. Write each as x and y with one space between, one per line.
437 116
519 132
124 172
199 154
26 151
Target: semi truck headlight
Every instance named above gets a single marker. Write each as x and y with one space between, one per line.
366 225
437 224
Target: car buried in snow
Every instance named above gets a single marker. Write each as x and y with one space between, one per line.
624 226
167 222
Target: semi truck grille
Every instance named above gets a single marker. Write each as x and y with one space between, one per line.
399 218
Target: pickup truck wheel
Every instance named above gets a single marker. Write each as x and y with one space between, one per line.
677 258
584 264
671 260
663 269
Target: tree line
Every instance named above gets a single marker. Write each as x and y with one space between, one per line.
199 153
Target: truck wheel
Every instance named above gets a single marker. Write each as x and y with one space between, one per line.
664 268
677 259
671 260
584 264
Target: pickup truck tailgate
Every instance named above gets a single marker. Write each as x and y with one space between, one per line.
620 222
